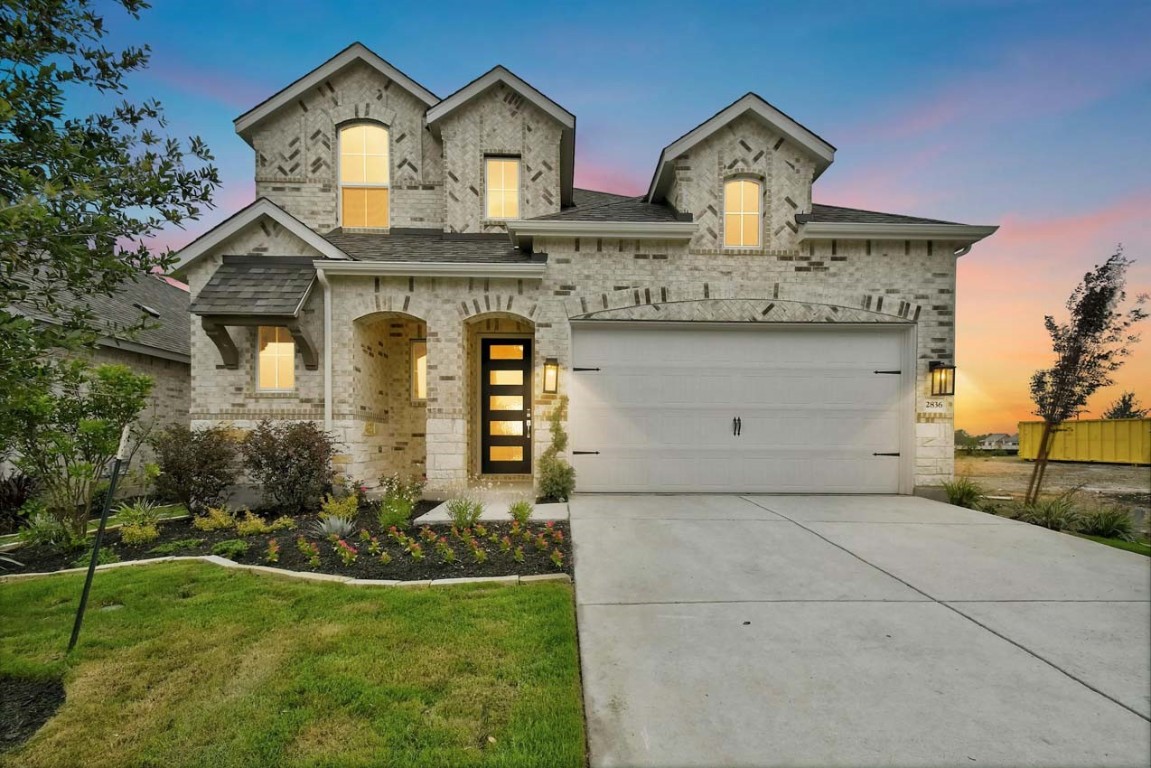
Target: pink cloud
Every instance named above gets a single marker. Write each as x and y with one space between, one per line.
605 177
891 183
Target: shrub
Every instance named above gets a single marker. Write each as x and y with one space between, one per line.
393 486
231 548
106 557
346 552
465 512
172 547
394 511
197 467
1108 522
217 519
16 490
70 430
963 492
135 534
272 552
556 476
521 511
291 461
43 529
332 527
310 550
345 507
140 512
1057 513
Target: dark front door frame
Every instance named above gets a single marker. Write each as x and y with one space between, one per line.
487 415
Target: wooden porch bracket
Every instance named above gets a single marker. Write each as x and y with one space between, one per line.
219 335
304 345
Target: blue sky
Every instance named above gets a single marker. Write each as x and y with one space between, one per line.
1032 115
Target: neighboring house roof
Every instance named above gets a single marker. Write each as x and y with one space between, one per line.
257 285
198 248
835 213
427 245
753 104
150 298
353 53
500 74
605 206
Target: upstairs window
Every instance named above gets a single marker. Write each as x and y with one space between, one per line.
503 187
741 215
364 175
276 359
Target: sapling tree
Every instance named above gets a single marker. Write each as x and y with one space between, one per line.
1089 347
1126 407
80 194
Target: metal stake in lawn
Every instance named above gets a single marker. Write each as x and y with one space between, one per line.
120 453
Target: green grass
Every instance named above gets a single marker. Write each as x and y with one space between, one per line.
1130 546
205 666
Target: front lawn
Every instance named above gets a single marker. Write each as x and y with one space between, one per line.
187 664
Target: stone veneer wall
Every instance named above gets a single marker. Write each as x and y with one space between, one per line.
499 122
297 153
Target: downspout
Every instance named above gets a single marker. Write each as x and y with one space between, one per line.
327 347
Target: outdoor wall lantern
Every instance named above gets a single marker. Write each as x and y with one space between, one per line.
942 378
551 375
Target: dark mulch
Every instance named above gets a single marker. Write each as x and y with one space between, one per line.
366 566
26 704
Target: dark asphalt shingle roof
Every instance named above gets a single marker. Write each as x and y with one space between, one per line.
837 214
260 285
170 332
606 206
422 245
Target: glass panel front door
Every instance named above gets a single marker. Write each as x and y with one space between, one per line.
506 406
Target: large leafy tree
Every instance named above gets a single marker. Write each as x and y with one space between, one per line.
80 195
1089 347
1126 407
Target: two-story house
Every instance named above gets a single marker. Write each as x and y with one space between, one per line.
420 275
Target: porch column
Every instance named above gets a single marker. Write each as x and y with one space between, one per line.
447 434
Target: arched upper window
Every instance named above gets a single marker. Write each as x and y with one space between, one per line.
364 175
741 213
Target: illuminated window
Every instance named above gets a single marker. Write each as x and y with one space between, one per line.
741 220
503 187
364 175
419 369
276 362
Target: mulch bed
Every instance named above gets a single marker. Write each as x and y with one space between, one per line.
25 705
366 566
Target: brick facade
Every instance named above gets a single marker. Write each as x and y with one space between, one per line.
439 184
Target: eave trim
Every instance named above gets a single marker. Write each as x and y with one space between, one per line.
430 269
826 230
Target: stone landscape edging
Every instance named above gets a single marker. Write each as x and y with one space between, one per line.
224 562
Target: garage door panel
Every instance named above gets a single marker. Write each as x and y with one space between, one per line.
813 409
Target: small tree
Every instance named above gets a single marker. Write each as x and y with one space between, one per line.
1126 407
966 442
1088 348
557 477
71 432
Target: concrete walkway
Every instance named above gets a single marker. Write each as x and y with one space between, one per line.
855 631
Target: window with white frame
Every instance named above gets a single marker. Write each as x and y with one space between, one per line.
364 175
275 359
742 221
419 369
502 176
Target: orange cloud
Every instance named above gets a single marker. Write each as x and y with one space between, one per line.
1025 271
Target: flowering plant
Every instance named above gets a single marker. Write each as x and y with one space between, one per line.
346 552
272 553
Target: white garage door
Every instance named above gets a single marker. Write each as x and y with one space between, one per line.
726 409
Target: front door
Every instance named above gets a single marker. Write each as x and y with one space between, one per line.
506 410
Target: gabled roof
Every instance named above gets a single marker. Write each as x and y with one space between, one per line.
818 148
151 298
353 53
194 251
500 74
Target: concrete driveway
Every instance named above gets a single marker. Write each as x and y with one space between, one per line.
855 631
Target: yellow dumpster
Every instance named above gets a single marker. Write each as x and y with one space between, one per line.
1104 441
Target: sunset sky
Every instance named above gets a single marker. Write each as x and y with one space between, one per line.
1035 116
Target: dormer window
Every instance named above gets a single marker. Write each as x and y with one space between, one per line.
741 213
502 176
364 175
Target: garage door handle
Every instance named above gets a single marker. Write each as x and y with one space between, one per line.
885 454
736 426
585 453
